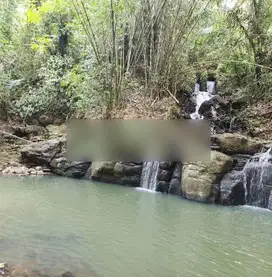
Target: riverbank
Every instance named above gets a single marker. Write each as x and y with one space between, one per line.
239 132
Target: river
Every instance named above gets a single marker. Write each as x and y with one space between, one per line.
66 224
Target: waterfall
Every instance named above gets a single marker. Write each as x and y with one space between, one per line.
201 97
150 169
149 175
257 177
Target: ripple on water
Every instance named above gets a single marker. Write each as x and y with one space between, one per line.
63 224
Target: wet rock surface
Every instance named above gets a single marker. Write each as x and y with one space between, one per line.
232 190
123 173
258 180
199 179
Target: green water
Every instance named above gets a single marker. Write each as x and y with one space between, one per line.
61 223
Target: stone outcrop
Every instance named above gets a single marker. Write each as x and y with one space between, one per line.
123 173
174 186
42 153
200 180
232 189
233 143
52 154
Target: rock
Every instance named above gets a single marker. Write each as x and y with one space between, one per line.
42 153
7 171
266 147
3 265
232 190
199 179
56 131
28 131
205 107
98 168
127 169
14 164
75 169
177 171
239 161
174 186
233 143
58 122
167 165
270 201
19 271
162 186
67 274
45 120
164 175
116 173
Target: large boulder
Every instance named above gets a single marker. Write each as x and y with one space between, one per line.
52 154
123 173
200 180
71 169
42 153
101 168
232 189
233 143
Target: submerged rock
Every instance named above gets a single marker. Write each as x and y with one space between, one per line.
68 274
199 179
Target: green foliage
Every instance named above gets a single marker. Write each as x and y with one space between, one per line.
169 42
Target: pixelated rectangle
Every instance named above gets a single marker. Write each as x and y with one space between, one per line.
138 140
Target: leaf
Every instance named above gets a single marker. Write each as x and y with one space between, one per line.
33 16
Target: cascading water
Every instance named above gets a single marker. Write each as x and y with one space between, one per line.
257 179
149 175
150 169
202 96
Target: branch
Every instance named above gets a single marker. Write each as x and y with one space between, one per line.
11 135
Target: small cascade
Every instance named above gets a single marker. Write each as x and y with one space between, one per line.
257 178
201 97
149 175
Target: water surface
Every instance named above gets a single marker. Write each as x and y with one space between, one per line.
116 231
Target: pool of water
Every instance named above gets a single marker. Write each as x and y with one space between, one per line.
115 231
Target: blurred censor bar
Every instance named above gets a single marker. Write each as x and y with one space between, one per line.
138 140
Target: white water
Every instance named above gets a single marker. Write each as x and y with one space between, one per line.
147 190
255 185
150 169
149 175
202 96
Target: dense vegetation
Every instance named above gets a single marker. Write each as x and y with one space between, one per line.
70 57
